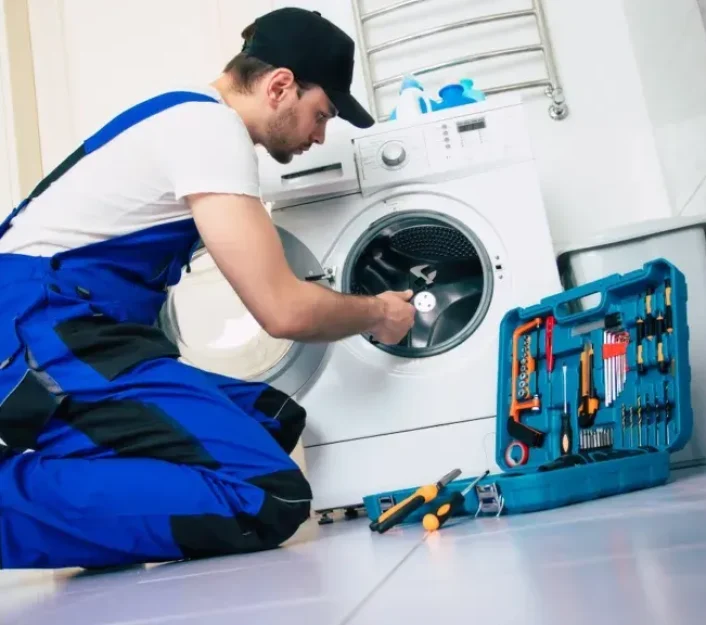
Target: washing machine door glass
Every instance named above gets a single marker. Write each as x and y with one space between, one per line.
214 330
441 260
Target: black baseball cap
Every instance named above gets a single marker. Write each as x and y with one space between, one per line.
315 50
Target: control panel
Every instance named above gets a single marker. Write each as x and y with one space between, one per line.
446 144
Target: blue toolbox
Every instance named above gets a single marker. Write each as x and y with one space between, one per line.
591 402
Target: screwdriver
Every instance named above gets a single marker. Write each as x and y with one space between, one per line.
588 406
640 337
668 306
649 317
549 350
662 362
424 494
434 520
566 432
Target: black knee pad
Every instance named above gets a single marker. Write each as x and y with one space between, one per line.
286 506
288 413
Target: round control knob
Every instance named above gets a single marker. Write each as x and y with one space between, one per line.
393 154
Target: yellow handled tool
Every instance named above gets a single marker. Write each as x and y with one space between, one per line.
424 494
443 511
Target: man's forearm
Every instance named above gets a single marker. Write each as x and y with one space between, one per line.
318 314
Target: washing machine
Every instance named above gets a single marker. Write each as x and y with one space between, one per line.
449 205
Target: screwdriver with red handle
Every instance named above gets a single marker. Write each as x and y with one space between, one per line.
434 520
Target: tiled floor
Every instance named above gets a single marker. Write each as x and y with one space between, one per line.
635 559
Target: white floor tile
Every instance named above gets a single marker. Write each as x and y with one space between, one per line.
636 559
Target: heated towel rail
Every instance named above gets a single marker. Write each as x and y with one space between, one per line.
558 109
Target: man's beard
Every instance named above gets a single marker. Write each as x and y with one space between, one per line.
278 131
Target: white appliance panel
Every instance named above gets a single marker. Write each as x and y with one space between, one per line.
343 474
363 391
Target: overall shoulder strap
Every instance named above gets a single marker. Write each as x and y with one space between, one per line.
125 120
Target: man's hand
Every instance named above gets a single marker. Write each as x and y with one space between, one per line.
245 245
398 319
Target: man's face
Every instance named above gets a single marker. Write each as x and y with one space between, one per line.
298 122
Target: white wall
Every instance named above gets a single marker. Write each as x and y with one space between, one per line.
95 57
669 40
9 191
600 166
603 166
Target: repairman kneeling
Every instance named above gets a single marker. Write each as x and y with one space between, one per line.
114 451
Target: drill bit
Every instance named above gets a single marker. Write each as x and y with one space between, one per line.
624 416
639 420
657 407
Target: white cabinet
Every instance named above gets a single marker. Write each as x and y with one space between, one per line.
95 57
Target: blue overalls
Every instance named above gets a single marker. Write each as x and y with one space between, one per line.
116 452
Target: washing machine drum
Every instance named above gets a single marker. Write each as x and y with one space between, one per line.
441 260
214 330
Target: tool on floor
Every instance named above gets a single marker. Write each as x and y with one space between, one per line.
588 406
424 494
668 306
640 323
566 436
524 434
444 509
649 317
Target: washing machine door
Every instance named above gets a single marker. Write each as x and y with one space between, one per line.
214 331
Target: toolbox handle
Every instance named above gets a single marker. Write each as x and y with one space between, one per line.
579 292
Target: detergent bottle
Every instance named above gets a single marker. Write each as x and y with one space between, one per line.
412 102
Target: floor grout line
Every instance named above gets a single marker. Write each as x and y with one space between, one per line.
366 599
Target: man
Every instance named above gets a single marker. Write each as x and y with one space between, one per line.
115 452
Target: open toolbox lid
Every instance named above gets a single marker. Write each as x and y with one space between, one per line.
612 400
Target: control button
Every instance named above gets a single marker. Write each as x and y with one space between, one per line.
54 288
55 263
393 154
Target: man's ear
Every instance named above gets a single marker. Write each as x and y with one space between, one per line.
279 85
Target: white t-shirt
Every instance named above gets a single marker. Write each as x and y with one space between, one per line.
140 179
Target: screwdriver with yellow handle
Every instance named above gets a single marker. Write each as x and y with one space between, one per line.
424 494
434 520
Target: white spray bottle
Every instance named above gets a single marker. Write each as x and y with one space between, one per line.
413 102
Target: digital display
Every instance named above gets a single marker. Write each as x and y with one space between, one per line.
471 124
